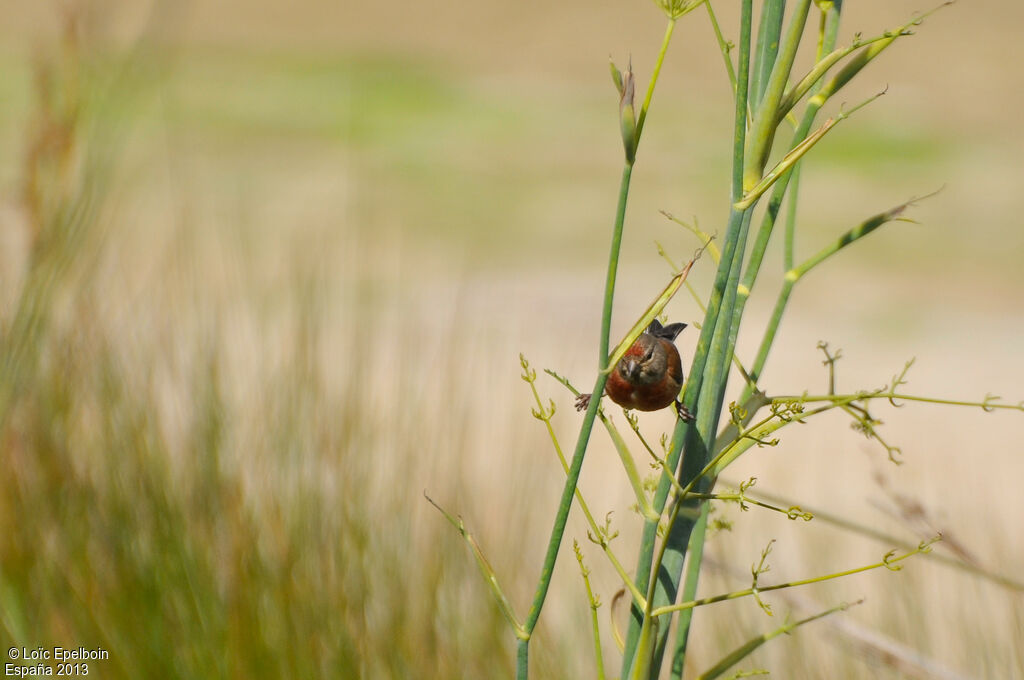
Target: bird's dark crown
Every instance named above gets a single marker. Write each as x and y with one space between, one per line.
669 332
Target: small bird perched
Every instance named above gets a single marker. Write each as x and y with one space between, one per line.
650 373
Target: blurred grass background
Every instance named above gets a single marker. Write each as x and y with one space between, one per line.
276 269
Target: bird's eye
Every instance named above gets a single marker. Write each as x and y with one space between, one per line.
650 353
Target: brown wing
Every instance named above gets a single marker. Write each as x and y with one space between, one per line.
675 364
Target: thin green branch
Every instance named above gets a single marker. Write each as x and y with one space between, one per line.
789 233
629 465
599 535
890 561
827 40
654 78
795 274
866 55
707 239
595 603
486 570
741 445
652 312
724 46
865 530
987 404
823 66
747 648
788 161
743 499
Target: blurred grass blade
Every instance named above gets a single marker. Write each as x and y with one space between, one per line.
752 644
486 569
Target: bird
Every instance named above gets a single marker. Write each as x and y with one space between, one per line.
649 375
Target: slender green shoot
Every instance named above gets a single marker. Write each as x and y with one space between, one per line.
595 603
599 534
747 648
891 561
486 569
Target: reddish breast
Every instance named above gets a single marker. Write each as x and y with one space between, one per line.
647 396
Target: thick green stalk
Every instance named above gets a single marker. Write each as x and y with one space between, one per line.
523 658
762 131
664 588
767 46
696 549
814 104
827 42
716 380
681 530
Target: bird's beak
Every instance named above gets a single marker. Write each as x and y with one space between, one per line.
631 368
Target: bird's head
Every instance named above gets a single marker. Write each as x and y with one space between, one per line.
645 362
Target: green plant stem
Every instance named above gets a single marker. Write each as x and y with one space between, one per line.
573 475
986 405
822 93
767 46
669 570
795 274
485 568
696 551
826 42
739 135
523 658
882 537
684 534
787 163
736 448
789 233
598 534
888 562
654 77
762 132
723 45
594 603
632 474
613 267
748 647
821 67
